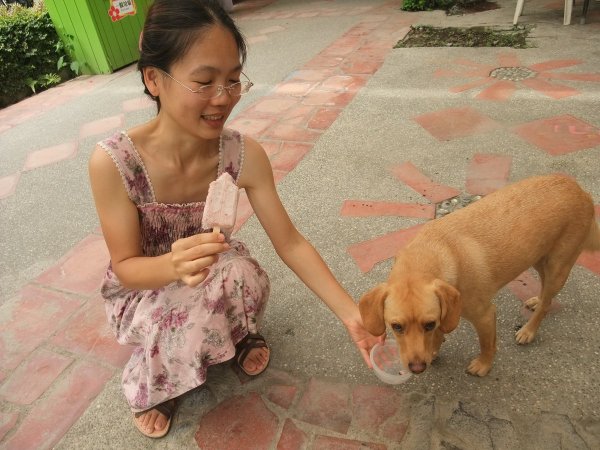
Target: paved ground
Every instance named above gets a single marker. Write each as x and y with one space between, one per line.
364 141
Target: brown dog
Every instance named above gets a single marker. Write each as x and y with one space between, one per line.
456 264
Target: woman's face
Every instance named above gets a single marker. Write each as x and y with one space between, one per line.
212 59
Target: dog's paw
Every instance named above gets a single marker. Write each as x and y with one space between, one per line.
479 368
532 303
524 335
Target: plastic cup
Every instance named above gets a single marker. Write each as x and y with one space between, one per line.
387 364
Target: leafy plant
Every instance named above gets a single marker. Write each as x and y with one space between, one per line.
32 56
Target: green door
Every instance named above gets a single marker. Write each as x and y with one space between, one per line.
99 43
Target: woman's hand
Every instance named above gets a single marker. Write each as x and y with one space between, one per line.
192 256
363 340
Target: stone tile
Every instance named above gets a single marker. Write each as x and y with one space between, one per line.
368 253
270 147
455 123
274 105
525 286
324 118
51 418
487 173
50 155
101 126
289 156
328 98
291 133
137 104
29 320
252 127
88 333
333 443
597 208
281 395
7 422
327 405
292 437
591 261
272 29
343 83
365 208
228 426
361 65
560 135
395 428
324 61
8 185
33 377
554 64
82 269
298 115
553 90
373 405
500 91
294 88
311 75
411 176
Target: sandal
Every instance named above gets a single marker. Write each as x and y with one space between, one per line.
249 342
167 409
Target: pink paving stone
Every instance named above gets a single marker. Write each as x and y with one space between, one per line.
560 135
324 61
88 333
238 423
7 422
271 105
333 443
291 133
554 64
327 405
525 286
281 395
33 377
102 126
273 29
298 115
499 91
360 65
597 208
591 261
294 88
554 90
8 185
50 155
487 173
368 253
289 156
82 269
364 208
51 418
311 75
324 118
292 437
373 405
395 428
136 104
270 147
328 98
455 123
411 176
249 126
30 319
257 39
570 76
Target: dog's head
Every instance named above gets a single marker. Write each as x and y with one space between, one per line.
418 309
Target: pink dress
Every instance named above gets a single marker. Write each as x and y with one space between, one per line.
178 330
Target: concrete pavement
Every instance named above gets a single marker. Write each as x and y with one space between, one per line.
364 142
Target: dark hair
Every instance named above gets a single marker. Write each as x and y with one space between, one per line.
171 28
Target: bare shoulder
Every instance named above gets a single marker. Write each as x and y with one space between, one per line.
257 167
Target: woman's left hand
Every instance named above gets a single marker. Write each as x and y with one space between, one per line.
363 340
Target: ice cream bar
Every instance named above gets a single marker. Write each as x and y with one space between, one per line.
221 204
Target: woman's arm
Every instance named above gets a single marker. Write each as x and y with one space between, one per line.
120 226
297 253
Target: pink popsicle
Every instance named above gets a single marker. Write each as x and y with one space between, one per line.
221 204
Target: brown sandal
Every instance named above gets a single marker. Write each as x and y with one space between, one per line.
250 342
167 409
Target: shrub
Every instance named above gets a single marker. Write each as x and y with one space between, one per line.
32 56
426 5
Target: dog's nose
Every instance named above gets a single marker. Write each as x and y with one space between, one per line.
417 367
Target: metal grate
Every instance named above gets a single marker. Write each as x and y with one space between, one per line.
512 73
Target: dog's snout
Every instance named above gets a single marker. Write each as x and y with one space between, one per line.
417 367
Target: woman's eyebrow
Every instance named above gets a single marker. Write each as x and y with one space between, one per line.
203 69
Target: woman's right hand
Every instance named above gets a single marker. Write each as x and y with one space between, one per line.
192 256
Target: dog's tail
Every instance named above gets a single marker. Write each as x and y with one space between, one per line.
592 241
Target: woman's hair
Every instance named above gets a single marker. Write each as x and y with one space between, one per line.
171 28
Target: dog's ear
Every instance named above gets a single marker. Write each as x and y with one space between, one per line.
450 303
371 309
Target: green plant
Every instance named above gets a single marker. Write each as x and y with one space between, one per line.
32 56
426 5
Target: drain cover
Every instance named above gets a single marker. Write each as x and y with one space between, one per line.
450 205
512 73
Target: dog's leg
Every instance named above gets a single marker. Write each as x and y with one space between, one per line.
553 274
484 322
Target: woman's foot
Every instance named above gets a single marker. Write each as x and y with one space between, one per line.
252 354
155 422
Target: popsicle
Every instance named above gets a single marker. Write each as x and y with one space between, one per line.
221 204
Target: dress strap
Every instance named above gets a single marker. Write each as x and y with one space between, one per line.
232 153
132 170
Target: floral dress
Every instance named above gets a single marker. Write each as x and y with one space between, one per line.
178 331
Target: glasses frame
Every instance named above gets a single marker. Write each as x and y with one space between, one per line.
220 88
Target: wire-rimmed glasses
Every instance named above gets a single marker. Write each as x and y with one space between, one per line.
214 90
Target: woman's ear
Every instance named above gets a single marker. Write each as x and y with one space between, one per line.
151 75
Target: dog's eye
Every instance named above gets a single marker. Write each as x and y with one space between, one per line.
429 326
397 328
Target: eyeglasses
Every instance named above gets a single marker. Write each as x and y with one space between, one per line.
215 90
